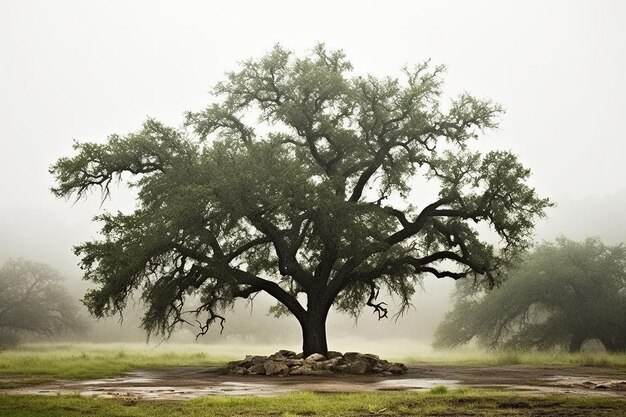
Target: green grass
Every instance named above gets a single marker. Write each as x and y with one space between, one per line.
473 402
531 358
439 389
38 363
78 361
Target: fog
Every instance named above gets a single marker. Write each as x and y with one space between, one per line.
75 70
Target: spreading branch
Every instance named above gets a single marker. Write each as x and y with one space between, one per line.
313 198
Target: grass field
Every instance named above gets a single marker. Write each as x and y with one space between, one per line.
38 363
531 358
461 402
43 362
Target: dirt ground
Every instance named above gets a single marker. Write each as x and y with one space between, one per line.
191 382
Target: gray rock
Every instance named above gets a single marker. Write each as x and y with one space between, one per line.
330 364
351 356
301 370
238 370
276 357
308 369
334 354
315 357
275 368
294 362
321 366
342 369
252 360
257 369
358 367
396 368
282 355
286 362
371 360
286 353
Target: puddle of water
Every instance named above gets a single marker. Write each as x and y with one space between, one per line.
129 380
416 384
248 388
148 388
587 382
187 385
246 385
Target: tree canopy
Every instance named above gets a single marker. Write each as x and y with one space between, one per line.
33 299
563 294
299 180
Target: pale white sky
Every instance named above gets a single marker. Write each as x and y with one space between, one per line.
86 69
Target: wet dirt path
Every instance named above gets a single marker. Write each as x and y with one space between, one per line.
191 382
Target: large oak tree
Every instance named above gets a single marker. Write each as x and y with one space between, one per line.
561 295
300 181
34 301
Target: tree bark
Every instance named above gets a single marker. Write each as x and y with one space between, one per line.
576 342
314 333
612 343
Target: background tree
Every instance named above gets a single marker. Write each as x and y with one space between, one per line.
33 299
298 182
562 294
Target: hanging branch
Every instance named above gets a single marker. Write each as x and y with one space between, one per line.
380 308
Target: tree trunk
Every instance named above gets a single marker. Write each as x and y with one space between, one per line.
576 342
612 343
314 333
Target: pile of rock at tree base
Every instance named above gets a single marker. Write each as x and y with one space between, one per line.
286 362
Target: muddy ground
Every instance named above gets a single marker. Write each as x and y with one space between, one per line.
191 382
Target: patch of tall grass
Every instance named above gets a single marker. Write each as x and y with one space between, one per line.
518 357
81 361
439 389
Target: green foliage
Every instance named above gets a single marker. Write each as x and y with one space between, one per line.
33 300
562 294
296 180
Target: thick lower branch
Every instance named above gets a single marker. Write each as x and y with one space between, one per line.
287 261
272 289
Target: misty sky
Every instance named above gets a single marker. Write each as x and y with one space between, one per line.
86 69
